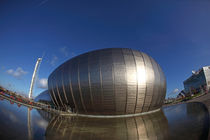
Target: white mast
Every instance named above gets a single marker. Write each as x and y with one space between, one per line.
34 76
29 125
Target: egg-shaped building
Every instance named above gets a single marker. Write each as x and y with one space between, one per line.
44 97
113 81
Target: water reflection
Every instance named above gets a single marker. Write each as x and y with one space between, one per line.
185 121
29 125
188 121
153 126
20 123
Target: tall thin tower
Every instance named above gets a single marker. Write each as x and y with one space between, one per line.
34 77
29 125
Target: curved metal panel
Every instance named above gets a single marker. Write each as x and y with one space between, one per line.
131 80
74 106
75 85
59 95
156 85
67 86
79 86
95 82
163 86
109 81
89 85
141 79
50 88
56 92
120 84
149 82
63 90
53 90
84 82
59 88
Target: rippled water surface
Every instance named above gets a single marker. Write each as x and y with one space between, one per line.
184 121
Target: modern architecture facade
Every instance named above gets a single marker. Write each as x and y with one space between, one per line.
108 82
44 97
199 81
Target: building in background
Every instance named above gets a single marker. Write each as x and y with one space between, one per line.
198 82
181 95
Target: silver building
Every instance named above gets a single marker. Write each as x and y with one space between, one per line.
44 97
199 80
108 82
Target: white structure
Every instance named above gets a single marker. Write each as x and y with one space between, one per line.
199 80
34 76
29 125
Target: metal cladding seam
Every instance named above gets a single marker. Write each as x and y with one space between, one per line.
109 81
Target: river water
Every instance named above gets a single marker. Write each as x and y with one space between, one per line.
185 121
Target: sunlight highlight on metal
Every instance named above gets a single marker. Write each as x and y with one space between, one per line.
113 81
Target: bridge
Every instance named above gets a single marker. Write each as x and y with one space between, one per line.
20 100
13 97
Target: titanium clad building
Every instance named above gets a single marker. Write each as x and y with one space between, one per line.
44 97
108 82
199 80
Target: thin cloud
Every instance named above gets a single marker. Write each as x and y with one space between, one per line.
175 90
42 83
64 51
10 115
43 2
54 60
18 73
10 86
73 54
3 67
42 124
178 109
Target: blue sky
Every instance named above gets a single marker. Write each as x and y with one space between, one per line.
175 33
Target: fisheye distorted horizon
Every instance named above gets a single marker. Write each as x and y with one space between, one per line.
176 34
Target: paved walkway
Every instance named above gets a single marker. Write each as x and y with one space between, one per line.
204 99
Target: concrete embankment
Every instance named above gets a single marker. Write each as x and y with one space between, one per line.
205 99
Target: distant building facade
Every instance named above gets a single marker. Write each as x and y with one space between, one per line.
181 94
198 82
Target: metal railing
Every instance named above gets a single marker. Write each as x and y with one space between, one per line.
31 103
